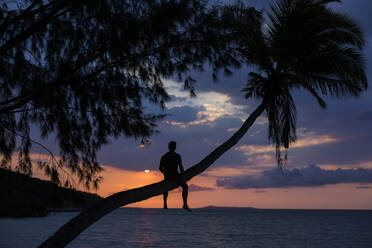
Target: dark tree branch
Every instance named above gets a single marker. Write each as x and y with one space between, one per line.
25 34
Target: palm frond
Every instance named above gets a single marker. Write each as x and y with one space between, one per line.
315 94
342 30
255 86
282 115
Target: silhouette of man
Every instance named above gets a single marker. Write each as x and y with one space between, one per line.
171 167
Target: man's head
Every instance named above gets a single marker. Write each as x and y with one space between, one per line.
172 145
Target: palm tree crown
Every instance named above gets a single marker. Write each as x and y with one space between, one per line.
304 45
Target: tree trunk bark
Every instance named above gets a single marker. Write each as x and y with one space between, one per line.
89 216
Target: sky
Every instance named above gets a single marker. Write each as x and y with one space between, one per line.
329 167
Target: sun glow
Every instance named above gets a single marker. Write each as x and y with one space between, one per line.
147 171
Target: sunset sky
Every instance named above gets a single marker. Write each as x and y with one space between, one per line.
329 167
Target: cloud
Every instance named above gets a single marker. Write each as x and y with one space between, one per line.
303 142
260 191
308 176
211 105
183 114
363 187
194 188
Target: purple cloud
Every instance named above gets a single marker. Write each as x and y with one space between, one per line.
183 114
363 187
308 176
194 187
260 191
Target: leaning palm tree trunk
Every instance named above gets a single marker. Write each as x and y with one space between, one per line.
89 216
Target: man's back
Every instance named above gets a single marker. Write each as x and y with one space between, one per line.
169 163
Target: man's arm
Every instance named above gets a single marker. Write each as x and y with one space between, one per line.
180 164
161 166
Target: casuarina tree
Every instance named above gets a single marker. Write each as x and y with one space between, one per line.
304 45
80 71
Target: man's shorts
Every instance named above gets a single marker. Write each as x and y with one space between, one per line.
178 178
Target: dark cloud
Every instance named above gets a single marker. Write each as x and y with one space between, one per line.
183 114
260 191
308 176
194 187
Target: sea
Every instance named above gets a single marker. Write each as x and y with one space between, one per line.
208 227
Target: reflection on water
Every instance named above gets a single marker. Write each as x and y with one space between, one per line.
202 228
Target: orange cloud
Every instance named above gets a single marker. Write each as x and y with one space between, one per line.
302 142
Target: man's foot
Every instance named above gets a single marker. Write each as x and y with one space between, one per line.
186 208
165 207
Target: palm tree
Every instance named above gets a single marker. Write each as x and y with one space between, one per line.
305 45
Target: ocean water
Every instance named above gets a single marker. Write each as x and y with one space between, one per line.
202 228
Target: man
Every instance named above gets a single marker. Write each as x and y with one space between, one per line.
171 167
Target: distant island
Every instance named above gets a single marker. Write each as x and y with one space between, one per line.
24 196
226 208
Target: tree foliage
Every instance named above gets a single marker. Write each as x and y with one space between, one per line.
81 70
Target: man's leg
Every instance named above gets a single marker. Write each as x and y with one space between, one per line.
165 196
185 191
